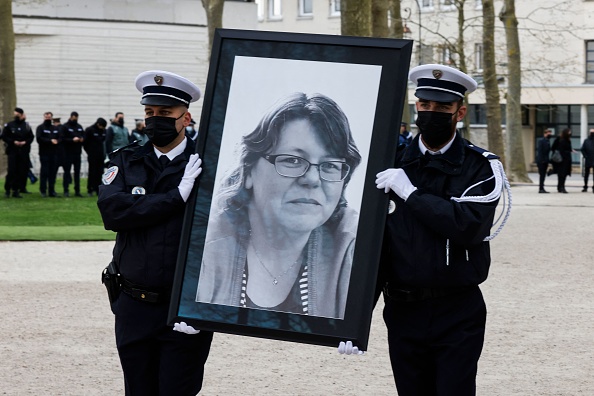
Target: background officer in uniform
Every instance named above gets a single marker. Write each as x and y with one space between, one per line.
48 138
72 136
17 136
543 151
143 198
94 146
443 198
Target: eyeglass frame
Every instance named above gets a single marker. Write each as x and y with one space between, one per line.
271 158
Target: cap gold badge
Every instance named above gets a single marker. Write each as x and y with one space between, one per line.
159 79
437 74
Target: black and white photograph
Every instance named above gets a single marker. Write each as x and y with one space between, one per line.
282 235
284 216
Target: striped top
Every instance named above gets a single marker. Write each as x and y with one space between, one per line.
296 302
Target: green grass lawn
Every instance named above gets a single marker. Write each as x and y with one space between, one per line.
33 218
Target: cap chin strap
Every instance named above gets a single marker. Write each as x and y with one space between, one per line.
501 184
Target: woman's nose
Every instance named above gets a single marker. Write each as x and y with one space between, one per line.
311 176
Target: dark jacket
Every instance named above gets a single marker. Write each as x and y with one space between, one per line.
588 151
17 132
44 135
148 225
431 240
564 147
94 142
68 131
543 151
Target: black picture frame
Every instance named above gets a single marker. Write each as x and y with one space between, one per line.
368 79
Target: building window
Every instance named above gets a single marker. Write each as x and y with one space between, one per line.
274 9
260 9
334 7
448 5
590 62
478 56
478 4
427 5
305 8
446 56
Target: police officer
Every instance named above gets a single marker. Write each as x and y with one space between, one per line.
543 150
48 138
17 136
72 136
143 197
94 146
443 193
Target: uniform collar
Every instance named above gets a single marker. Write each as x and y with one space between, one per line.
442 150
448 160
177 150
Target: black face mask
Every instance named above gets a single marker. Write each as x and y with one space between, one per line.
17 119
591 135
120 122
47 123
161 130
436 128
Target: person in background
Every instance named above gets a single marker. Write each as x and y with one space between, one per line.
143 198
191 132
588 153
94 145
48 138
543 151
404 137
17 136
117 135
138 133
563 168
72 137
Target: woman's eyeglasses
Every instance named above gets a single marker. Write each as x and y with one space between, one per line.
293 166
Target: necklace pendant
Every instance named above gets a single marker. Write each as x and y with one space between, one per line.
275 281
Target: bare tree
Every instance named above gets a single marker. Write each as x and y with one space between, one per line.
7 78
379 18
396 30
214 17
516 163
494 132
355 18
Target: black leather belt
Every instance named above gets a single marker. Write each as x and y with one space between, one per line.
141 293
396 293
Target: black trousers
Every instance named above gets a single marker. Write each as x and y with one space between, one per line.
435 344
95 173
71 160
156 360
18 167
542 174
47 173
587 175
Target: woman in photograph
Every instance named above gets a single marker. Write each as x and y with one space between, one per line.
282 236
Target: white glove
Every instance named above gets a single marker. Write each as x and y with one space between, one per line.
395 180
182 327
192 171
348 349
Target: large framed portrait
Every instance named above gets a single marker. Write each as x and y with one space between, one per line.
282 234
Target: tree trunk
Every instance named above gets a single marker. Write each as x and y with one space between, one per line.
458 49
214 18
379 18
8 98
494 132
516 164
355 18
396 30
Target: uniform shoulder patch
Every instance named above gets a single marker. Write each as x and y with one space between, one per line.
109 175
487 154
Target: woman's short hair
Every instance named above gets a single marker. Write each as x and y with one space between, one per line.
322 112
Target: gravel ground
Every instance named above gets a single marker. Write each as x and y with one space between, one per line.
56 336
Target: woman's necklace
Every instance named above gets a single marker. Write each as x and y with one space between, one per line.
274 278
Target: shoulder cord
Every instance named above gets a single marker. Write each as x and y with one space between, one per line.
501 183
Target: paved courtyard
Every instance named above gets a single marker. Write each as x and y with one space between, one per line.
56 333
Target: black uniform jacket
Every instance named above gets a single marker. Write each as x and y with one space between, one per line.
431 240
45 134
94 141
148 225
17 132
68 132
